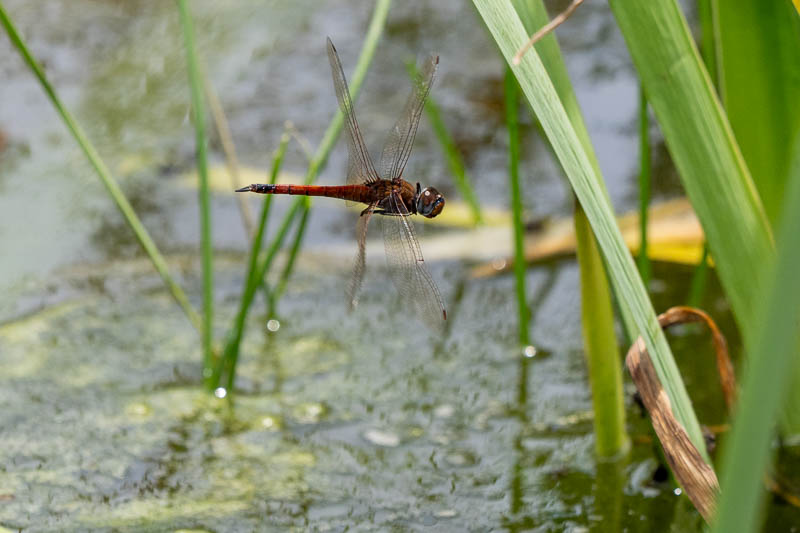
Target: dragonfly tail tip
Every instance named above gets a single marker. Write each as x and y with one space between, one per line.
245 189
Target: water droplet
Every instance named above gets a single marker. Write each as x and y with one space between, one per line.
382 438
220 392
529 351
498 263
677 491
309 413
138 409
461 458
273 325
207 372
268 422
444 411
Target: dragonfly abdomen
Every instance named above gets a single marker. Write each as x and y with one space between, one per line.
353 193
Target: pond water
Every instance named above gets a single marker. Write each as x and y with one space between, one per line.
342 422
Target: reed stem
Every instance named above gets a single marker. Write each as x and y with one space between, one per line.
206 244
104 174
512 107
600 344
320 157
643 260
252 279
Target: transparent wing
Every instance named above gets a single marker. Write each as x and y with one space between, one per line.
358 269
359 168
401 137
407 268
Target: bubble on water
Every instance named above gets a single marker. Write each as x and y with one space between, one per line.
220 392
382 438
444 411
273 325
270 422
461 458
308 413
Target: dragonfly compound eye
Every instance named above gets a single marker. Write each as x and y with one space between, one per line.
430 202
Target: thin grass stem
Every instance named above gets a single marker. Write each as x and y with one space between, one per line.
229 149
104 174
697 288
318 161
320 157
511 103
252 279
557 21
643 260
710 53
207 252
280 286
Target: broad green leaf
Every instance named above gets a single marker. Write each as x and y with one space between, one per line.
597 315
773 341
509 33
702 145
759 51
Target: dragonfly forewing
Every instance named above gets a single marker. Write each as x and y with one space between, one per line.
360 168
398 146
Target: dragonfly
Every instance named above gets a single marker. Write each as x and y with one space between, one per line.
387 195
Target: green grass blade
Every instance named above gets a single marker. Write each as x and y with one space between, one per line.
760 77
705 152
600 343
697 287
320 157
199 119
772 345
454 160
229 149
600 340
643 260
231 352
512 108
104 174
708 13
288 268
227 363
702 145
509 33
534 16
252 279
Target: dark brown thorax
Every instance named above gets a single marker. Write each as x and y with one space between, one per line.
384 188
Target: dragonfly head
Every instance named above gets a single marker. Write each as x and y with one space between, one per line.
429 202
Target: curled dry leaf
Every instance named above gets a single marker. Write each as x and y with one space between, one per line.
695 475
